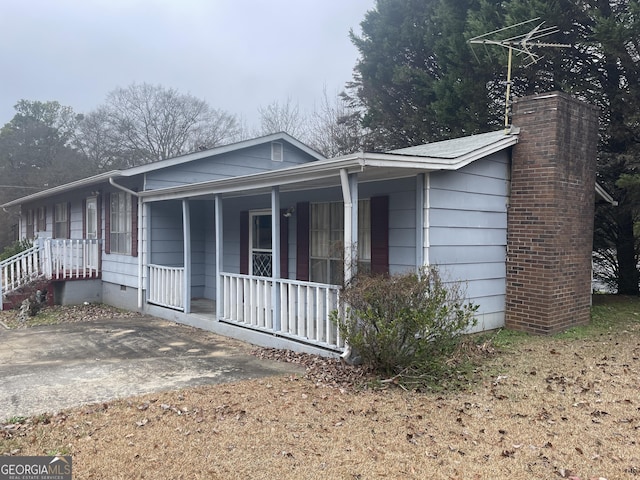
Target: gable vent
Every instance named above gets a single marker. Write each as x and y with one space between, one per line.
276 151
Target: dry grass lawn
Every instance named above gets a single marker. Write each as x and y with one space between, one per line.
542 408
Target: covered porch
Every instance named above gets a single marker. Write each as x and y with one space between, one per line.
198 262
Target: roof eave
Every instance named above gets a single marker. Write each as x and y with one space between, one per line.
84 182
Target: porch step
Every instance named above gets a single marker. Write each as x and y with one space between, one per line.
15 298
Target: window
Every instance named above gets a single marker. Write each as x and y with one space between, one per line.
326 241
30 224
276 152
61 220
120 223
42 219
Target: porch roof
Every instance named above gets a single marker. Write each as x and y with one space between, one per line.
446 155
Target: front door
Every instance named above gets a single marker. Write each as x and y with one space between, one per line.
260 253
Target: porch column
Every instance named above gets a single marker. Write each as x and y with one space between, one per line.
275 256
349 184
219 283
422 219
147 225
186 227
143 229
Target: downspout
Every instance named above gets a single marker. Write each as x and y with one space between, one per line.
140 225
348 207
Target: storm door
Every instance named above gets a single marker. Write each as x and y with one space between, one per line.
260 251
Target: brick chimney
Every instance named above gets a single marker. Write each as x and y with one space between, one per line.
550 214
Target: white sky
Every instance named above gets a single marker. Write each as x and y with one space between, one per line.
235 54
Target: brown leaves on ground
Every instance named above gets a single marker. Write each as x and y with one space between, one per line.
546 408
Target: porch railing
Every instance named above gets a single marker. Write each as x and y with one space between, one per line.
166 286
20 269
70 258
51 258
305 308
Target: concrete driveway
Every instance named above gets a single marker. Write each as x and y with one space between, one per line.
51 368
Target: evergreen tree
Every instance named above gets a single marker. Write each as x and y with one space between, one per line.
418 80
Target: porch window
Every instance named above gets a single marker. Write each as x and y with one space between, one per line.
120 223
61 220
327 246
30 224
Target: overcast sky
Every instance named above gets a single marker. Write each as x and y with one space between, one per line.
235 54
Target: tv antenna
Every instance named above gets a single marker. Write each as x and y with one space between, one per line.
522 44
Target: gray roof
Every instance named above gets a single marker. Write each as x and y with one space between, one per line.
457 147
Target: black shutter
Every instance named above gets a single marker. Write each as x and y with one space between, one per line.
380 235
244 242
134 226
284 244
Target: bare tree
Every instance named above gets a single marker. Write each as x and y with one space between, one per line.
144 123
335 127
282 117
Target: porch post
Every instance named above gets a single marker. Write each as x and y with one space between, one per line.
275 256
421 213
219 283
147 228
349 184
186 226
142 210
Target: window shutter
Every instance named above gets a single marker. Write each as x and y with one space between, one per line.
302 241
84 218
244 242
68 219
99 215
53 222
107 223
380 235
134 226
284 244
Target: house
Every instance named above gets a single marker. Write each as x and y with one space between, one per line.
249 240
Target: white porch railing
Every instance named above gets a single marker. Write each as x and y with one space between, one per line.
63 259
166 286
305 308
20 269
59 259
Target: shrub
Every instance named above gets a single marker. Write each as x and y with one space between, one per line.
408 321
15 248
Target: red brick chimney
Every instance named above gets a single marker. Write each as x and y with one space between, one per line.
550 215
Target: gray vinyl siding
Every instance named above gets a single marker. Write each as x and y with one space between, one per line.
467 232
243 162
167 243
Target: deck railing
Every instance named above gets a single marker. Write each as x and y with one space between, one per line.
166 286
304 307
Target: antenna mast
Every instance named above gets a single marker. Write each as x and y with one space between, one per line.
522 45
